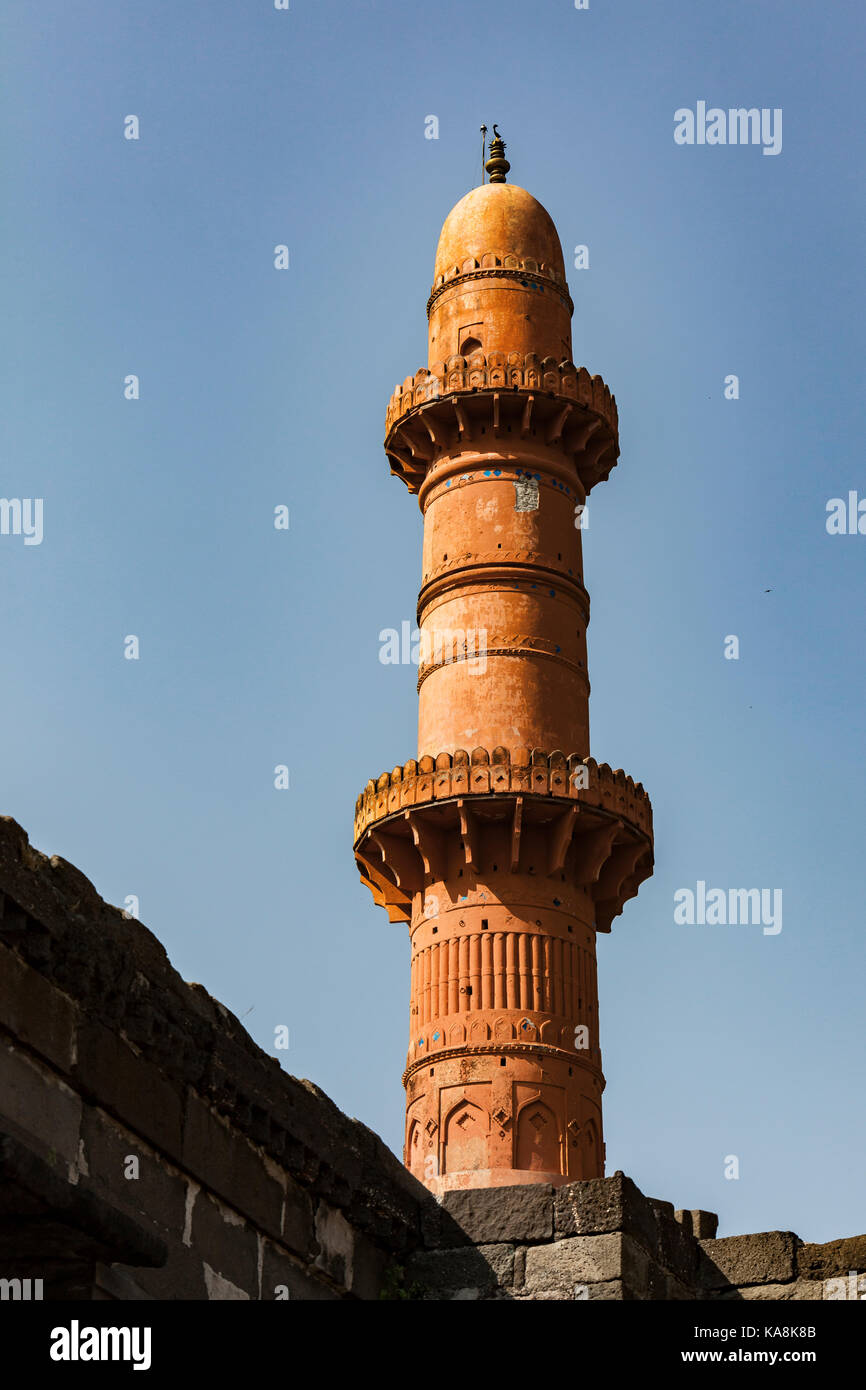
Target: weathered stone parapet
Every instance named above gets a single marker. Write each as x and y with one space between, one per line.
767 1258
777 1265
826 1261
246 1179
251 1184
598 1239
603 1239
486 1216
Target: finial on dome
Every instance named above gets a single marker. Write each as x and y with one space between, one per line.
497 165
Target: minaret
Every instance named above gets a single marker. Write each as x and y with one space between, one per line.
504 846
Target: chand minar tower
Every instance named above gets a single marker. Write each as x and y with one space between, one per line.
504 846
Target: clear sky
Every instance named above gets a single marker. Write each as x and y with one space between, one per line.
261 387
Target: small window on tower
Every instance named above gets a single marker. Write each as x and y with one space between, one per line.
469 339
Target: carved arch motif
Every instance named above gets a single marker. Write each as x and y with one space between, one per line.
538 1141
467 1134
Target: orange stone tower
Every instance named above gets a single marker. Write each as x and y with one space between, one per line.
504 845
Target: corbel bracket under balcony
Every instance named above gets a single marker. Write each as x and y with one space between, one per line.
419 822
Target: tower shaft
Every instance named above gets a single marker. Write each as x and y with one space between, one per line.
504 846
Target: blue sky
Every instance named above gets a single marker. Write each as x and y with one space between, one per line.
261 387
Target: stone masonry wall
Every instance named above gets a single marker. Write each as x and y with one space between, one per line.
602 1239
249 1181
150 1150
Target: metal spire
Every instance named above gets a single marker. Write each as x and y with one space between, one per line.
497 165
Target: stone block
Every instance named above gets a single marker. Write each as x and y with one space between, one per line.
602 1205
492 1216
158 1193
606 1291
138 1093
705 1224
836 1258
35 1099
796 1291
700 1224
336 1240
296 1228
582 1293
224 1161
286 1279
222 1239
576 1260
181 1279
764 1258
445 1273
605 1205
676 1249
610 1290
665 1209
40 1016
565 1265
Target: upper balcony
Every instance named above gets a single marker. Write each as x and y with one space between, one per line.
502 396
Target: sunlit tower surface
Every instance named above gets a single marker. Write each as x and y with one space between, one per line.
504 846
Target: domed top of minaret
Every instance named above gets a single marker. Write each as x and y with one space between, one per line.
498 219
499 281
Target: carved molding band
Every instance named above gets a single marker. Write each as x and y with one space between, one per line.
517 770
588 1060
542 283
498 645
492 259
498 559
